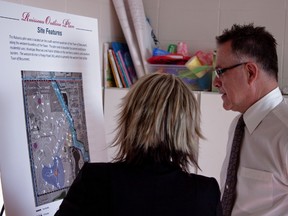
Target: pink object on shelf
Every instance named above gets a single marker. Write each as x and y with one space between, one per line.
182 48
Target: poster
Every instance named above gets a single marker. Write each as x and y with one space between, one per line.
51 105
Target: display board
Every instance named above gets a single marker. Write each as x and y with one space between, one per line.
51 105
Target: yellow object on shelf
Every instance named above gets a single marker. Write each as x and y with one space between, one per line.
196 67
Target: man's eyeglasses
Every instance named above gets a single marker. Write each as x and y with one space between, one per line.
219 71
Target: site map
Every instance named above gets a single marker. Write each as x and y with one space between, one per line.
56 131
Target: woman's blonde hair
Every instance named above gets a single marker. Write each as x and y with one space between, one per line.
160 120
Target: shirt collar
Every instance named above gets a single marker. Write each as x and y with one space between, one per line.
256 113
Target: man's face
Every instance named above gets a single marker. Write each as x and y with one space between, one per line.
232 84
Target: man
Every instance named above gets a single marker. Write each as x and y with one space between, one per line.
247 77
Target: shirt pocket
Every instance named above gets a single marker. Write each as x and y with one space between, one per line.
255 190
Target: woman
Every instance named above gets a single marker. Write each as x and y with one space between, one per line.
157 136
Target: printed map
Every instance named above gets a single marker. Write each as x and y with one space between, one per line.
56 131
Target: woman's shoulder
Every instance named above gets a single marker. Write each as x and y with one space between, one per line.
202 178
96 165
95 168
101 165
204 182
208 193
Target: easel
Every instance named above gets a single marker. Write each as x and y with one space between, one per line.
2 210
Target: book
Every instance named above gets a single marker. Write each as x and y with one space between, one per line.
117 46
123 55
123 69
114 68
120 70
108 79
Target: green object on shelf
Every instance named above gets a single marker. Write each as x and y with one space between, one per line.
194 73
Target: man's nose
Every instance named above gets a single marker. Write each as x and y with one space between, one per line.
216 82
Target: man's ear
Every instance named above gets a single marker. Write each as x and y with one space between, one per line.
252 71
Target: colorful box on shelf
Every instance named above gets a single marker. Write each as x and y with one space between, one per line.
204 83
